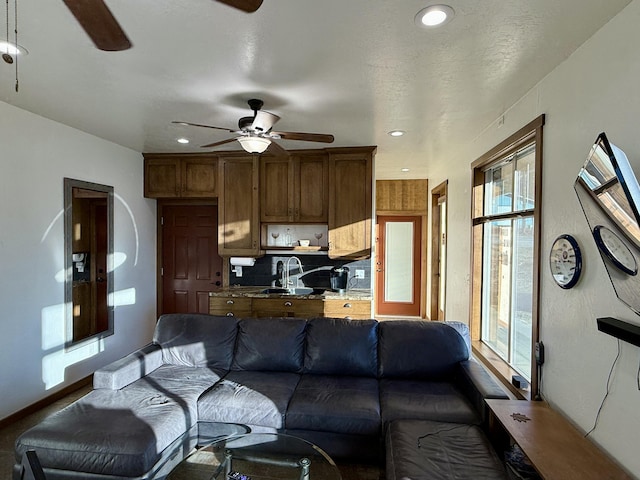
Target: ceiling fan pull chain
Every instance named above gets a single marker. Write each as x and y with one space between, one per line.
6 56
15 12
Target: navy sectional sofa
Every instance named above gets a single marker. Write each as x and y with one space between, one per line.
337 383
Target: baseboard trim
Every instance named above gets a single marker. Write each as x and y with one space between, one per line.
45 402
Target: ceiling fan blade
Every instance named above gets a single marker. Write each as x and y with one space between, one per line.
307 137
100 24
248 6
277 149
264 121
216 144
189 124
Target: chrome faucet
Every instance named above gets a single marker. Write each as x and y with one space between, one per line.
286 277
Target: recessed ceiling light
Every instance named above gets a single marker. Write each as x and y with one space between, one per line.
434 16
183 140
12 49
397 133
404 169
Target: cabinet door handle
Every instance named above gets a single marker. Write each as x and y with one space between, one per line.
347 317
287 304
347 305
230 302
230 314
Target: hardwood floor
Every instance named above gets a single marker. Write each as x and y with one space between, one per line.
9 434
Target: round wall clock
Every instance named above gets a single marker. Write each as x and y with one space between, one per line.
565 261
614 248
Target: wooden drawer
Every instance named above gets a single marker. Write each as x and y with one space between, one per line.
287 307
230 306
339 308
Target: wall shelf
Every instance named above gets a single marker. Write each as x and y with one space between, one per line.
625 331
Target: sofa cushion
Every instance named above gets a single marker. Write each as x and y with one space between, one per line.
335 404
337 346
109 432
196 340
427 350
249 398
443 451
270 344
130 368
424 400
121 432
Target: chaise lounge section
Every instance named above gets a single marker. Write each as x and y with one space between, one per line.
345 385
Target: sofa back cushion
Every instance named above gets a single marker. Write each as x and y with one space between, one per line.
196 340
270 345
419 349
337 346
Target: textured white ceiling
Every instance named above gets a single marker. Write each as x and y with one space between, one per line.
352 68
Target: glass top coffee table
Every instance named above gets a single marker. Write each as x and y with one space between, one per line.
257 456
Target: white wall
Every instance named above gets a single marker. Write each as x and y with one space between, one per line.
35 155
596 89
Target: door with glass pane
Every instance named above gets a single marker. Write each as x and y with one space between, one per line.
398 266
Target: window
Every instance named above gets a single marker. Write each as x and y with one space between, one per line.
506 218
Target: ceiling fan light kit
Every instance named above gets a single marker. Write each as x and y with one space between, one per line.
12 49
253 144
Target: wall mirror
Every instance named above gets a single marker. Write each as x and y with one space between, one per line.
88 240
610 197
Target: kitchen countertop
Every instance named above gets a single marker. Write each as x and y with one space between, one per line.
256 292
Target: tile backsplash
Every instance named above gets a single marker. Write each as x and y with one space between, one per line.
267 271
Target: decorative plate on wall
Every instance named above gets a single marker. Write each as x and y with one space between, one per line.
565 261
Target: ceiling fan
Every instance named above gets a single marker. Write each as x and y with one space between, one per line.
105 31
255 134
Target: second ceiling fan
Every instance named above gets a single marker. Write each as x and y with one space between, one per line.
102 27
255 133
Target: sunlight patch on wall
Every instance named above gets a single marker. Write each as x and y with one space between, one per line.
123 297
55 362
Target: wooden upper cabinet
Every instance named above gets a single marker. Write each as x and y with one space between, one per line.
294 189
162 177
311 188
168 176
238 207
276 189
199 177
350 203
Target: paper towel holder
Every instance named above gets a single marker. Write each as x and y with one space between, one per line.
238 262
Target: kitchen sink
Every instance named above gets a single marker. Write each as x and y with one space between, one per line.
294 291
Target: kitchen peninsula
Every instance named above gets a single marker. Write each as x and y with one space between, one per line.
257 302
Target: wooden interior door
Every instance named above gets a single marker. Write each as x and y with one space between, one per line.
398 265
191 266
102 249
438 251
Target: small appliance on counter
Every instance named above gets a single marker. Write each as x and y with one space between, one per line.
339 277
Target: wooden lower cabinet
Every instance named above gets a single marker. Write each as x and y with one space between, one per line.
353 309
231 306
243 307
287 307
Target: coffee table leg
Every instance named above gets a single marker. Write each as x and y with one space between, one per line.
305 465
228 458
